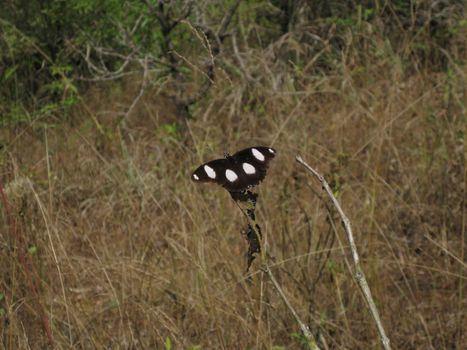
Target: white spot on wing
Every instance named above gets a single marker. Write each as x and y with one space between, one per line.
210 171
230 175
271 150
248 168
195 177
257 154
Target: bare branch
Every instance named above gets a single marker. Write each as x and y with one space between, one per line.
227 19
239 59
185 13
144 84
167 17
358 272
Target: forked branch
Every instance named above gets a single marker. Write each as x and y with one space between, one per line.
358 272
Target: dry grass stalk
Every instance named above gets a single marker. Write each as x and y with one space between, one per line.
146 261
246 210
358 272
305 330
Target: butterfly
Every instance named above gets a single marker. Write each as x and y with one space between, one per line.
238 172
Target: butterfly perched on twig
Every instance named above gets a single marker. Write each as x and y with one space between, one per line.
238 172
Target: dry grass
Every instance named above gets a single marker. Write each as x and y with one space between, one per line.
122 250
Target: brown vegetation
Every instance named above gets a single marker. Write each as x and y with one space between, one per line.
107 243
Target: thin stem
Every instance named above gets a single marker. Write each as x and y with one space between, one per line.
358 272
265 268
26 264
305 330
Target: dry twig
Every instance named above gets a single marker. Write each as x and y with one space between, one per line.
305 330
358 272
246 210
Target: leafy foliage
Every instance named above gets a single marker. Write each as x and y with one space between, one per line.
48 49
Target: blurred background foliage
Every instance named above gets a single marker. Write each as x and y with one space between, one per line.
51 50
107 106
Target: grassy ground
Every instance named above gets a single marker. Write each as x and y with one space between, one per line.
107 243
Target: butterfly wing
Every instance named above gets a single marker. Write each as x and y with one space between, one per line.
236 179
213 171
253 164
263 157
237 173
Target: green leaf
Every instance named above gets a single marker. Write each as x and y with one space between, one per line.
331 266
310 344
168 343
367 13
170 128
9 72
460 134
32 250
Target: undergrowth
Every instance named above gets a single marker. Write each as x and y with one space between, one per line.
106 242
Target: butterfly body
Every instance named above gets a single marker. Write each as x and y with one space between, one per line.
237 172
